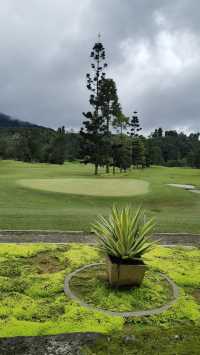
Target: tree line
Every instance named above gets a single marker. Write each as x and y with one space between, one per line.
33 144
166 148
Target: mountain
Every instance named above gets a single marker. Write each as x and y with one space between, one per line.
10 122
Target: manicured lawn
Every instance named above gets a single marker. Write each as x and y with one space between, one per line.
33 301
90 187
21 207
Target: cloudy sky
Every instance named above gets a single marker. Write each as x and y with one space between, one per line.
153 53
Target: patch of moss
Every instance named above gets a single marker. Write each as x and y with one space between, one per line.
92 286
182 265
33 302
182 340
80 255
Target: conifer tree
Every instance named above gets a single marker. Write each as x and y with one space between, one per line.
138 148
120 122
57 149
134 125
93 130
110 108
138 153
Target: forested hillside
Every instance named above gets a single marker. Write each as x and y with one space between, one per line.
9 122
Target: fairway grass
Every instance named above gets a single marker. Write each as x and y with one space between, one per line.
91 187
25 208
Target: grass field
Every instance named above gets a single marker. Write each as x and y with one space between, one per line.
42 204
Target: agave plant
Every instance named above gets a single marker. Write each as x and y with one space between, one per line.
123 234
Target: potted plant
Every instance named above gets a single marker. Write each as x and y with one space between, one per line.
124 237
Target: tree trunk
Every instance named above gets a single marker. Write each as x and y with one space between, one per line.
96 169
113 170
107 153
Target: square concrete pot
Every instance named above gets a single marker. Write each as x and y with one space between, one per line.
125 274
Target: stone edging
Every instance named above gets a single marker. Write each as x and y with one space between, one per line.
150 312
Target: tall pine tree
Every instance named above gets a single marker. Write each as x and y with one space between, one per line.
138 148
110 108
134 125
93 130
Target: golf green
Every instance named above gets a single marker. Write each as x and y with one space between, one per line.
88 186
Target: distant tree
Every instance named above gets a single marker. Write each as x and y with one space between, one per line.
197 159
57 150
92 132
138 148
134 125
171 133
121 153
194 136
138 152
110 108
72 146
120 122
23 147
157 133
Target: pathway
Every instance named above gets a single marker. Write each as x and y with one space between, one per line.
81 237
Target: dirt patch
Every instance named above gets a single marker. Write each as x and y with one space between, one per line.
46 263
196 294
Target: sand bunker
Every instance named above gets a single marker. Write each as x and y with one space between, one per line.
186 187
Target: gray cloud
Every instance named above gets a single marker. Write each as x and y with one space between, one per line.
152 47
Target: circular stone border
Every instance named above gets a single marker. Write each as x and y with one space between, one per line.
149 312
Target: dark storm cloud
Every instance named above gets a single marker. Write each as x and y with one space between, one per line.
153 52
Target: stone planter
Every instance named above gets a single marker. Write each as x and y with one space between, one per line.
125 274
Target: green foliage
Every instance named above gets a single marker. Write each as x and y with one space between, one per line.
121 153
134 125
110 108
92 132
57 148
124 235
138 153
33 144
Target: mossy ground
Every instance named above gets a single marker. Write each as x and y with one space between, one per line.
179 340
33 301
91 285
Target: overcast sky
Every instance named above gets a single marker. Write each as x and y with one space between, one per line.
152 48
